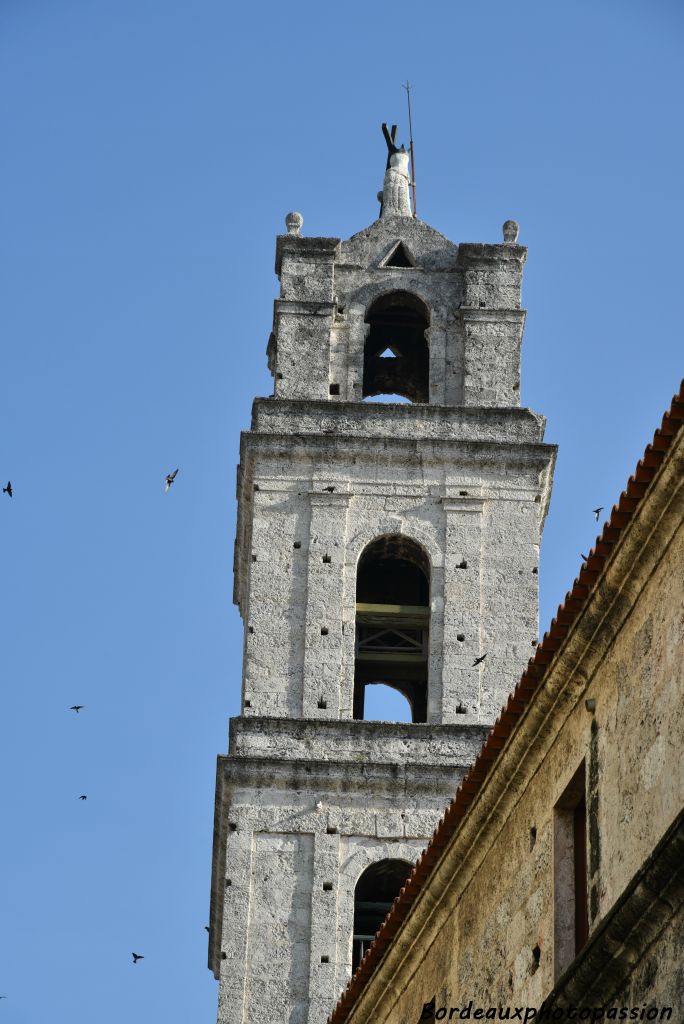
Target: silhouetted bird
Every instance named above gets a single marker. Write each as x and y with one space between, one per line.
329 489
83 797
76 707
8 491
170 477
136 957
479 660
597 512
583 557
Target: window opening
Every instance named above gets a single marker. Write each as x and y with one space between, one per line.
393 623
385 704
398 324
399 257
373 897
571 923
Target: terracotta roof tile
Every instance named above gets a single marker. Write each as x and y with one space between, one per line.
519 699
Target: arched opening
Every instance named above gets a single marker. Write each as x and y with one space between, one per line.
383 703
393 622
373 897
396 358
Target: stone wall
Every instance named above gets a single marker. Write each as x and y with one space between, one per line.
486 926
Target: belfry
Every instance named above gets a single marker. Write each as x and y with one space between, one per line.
391 498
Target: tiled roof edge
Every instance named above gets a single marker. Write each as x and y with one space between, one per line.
519 699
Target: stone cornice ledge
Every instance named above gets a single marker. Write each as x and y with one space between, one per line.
636 556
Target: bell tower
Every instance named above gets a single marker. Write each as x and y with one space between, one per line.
391 498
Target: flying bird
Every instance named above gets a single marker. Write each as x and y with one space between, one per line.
597 512
83 797
8 491
76 707
170 477
136 957
329 489
479 660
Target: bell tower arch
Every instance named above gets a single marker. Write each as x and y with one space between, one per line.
377 542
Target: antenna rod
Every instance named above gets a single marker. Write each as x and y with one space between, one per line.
413 160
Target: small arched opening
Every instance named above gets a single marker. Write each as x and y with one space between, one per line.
373 897
393 622
396 357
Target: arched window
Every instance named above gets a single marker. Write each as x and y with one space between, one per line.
396 359
393 622
373 897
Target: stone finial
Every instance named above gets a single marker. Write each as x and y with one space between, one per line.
510 231
293 223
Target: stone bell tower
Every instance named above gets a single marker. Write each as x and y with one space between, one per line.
392 542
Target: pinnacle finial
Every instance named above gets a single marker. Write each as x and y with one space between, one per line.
510 231
293 223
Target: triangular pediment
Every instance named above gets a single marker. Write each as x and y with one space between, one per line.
376 244
399 256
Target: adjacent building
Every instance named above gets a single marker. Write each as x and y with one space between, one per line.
556 877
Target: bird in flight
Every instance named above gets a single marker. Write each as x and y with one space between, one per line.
597 512
83 797
479 660
8 491
170 477
136 957
76 707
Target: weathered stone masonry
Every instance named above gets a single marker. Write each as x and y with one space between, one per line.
309 795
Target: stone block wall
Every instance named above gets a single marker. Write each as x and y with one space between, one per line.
476 508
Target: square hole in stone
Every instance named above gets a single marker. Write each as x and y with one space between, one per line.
334 389
325 959
463 565
533 837
327 559
460 637
324 630
322 704
297 545
327 886
331 830
254 558
248 703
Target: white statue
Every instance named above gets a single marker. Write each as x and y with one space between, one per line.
395 188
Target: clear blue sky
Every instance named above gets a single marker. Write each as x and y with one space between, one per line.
151 151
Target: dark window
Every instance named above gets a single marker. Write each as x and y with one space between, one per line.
373 897
393 622
399 257
396 358
571 926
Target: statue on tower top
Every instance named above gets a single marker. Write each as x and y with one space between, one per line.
394 199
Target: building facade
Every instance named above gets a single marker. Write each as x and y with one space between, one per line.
378 542
555 880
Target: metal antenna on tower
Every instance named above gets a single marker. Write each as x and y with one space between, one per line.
413 161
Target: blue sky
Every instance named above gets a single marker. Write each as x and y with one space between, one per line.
151 151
